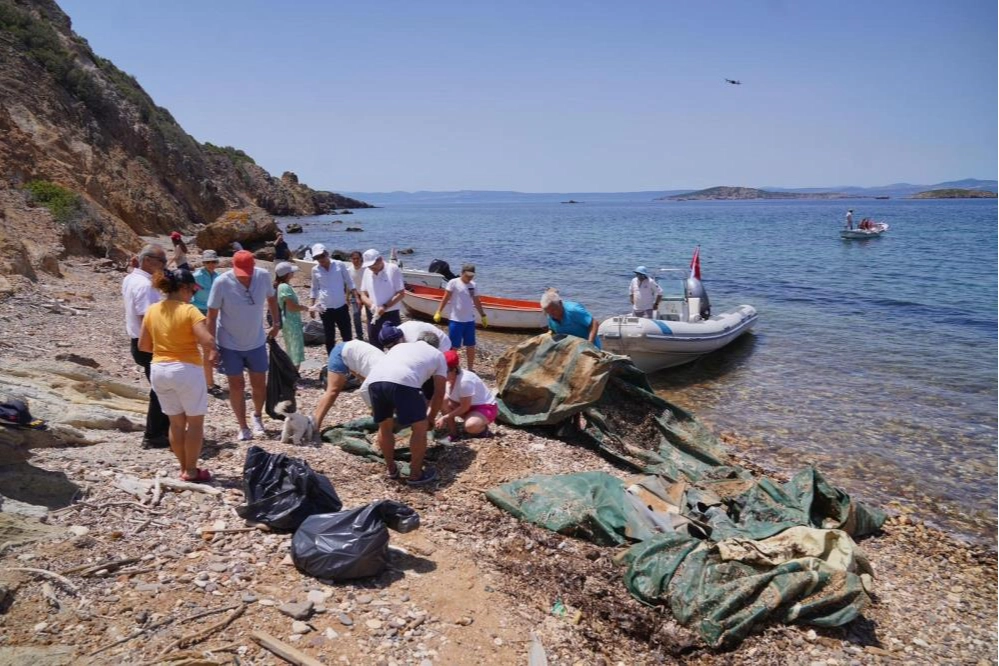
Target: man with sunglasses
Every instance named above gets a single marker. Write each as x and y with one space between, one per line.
138 294
236 318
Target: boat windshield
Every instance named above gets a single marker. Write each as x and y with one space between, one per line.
672 281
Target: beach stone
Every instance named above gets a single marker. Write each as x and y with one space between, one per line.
345 620
374 624
317 596
249 598
297 610
300 627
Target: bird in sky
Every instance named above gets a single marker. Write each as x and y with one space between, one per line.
733 82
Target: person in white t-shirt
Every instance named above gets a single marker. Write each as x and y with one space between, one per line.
381 292
469 399
354 356
460 295
412 329
357 270
644 293
394 386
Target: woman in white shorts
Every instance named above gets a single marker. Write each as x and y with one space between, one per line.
173 330
469 399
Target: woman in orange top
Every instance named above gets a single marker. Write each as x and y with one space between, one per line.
172 330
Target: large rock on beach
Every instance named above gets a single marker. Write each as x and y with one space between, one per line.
250 227
67 396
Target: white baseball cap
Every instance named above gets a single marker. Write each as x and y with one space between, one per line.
370 257
318 249
284 268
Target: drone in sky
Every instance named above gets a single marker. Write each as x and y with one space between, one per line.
733 82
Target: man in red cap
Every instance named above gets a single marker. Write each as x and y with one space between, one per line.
236 317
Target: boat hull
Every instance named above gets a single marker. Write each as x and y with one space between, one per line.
503 313
857 234
654 344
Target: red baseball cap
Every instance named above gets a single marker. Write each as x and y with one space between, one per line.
452 358
243 263
175 235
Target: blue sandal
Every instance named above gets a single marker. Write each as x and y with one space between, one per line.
429 476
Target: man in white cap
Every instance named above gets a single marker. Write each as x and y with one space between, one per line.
382 290
331 284
645 294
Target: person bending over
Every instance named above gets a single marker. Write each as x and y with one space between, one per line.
468 399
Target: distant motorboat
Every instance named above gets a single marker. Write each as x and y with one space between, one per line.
875 230
884 197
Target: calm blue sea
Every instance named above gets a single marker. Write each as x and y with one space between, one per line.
874 359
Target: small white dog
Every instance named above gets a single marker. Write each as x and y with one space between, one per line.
296 426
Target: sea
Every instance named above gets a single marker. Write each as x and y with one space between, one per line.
875 360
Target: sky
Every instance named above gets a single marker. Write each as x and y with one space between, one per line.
582 96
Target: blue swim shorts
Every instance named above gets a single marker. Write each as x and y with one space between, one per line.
462 334
336 363
405 402
234 361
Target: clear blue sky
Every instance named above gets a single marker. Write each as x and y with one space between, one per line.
571 96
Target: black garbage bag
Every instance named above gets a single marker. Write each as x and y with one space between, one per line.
350 544
442 267
281 378
282 492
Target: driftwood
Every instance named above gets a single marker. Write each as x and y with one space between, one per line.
142 487
110 565
67 583
283 650
200 635
134 634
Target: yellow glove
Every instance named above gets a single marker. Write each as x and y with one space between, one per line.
437 317
485 321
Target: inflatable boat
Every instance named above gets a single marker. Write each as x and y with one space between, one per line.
683 330
875 230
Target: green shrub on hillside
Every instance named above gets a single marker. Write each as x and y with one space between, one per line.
64 204
235 155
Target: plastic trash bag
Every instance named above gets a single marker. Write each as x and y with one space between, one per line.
281 378
350 544
281 492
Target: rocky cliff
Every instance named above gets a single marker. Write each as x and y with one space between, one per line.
72 119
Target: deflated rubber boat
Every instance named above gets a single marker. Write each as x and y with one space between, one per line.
683 329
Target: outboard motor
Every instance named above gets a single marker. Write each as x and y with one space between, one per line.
442 267
697 298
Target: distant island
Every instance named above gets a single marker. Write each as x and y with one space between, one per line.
954 193
743 193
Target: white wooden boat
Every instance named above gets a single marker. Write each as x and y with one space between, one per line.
683 331
876 230
503 313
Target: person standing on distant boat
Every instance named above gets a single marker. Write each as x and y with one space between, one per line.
849 219
460 294
645 294
569 318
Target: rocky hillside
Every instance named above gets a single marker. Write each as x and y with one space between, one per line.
743 193
81 138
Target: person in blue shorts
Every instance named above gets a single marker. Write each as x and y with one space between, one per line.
569 318
236 318
460 295
355 357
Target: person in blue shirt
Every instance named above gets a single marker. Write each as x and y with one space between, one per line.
205 277
569 317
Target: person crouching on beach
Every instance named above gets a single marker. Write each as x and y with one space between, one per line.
236 316
172 331
381 291
205 277
469 399
569 318
291 312
460 294
354 356
394 387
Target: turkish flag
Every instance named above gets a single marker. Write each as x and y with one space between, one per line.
695 263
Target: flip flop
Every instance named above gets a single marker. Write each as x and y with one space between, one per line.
393 475
429 476
203 476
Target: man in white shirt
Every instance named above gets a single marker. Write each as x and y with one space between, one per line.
382 290
394 387
412 329
463 300
644 293
357 270
138 294
849 219
331 284
354 356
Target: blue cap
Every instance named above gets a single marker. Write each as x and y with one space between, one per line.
642 270
389 334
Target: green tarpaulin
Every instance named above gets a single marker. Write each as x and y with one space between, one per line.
695 500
